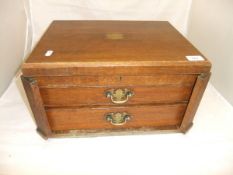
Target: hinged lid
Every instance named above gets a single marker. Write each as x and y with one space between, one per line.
124 47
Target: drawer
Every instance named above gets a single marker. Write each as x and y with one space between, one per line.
83 96
61 119
116 80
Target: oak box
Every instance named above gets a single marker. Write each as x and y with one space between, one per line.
108 77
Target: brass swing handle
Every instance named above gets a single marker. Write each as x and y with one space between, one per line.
118 118
119 96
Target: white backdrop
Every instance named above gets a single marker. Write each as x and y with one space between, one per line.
206 149
42 12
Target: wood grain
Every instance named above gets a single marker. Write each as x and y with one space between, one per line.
195 100
81 96
82 48
98 81
87 41
94 118
36 104
72 70
67 92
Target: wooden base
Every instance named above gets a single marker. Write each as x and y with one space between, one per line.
106 132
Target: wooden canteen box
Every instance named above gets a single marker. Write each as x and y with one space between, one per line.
113 77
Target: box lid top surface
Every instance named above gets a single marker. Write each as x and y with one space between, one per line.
112 43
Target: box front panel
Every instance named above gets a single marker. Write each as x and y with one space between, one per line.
115 117
88 90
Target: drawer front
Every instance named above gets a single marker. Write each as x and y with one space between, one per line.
95 81
61 119
83 96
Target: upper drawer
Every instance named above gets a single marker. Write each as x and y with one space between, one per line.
78 91
94 81
81 96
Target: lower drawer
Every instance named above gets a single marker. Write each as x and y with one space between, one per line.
61 119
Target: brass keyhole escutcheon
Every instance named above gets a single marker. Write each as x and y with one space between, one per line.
119 96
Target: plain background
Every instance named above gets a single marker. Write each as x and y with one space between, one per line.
211 31
207 149
13 40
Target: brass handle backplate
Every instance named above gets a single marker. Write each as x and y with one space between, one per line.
118 118
119 96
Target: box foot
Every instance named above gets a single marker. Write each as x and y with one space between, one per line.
185 129
41 134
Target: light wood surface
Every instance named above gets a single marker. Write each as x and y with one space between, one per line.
94 118
91 58
99 81
80 96
111 47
